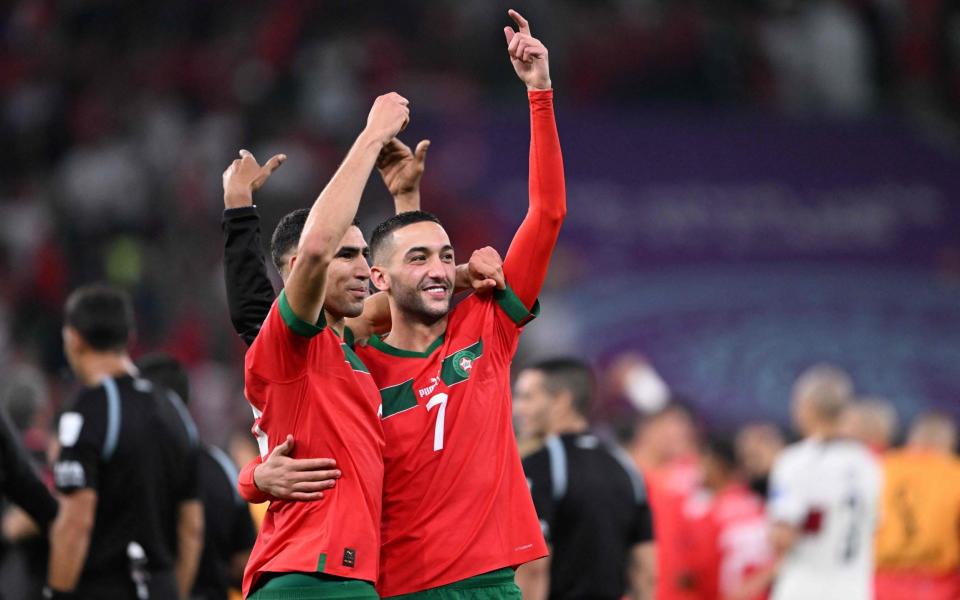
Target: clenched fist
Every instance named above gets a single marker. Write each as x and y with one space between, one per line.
388 117
486 269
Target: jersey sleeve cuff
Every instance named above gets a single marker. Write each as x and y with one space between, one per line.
240 212
513 306
540 96
295 323
247 487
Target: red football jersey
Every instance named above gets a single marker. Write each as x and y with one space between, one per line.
456 502
303 380
730 541
668 488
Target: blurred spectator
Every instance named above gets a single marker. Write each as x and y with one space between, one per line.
665 448
23 567
873 422
34 511
824 493
228 533
589 496
758 446
918 543
728 529
639 383
820 55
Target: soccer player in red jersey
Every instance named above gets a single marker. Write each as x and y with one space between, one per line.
457 510
303 380
728 531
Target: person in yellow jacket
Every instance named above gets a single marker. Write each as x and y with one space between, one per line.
918 543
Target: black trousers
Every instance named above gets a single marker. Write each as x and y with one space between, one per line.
162 586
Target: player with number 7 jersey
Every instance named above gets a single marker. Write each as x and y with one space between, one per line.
457 511
456 503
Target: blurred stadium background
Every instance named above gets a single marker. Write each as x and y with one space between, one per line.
754 185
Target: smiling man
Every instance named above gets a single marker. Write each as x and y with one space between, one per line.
302 379
458 516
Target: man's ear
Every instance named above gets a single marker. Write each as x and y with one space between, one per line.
380 278
562 401
72 340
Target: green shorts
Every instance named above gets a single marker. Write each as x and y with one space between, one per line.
311 586
495 585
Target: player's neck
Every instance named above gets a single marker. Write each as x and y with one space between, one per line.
414 335
826 432
570 424
334 322
97 367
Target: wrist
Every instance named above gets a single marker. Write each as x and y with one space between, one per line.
256 482
540 86
370 140
52 594
235 199
462 278
407 201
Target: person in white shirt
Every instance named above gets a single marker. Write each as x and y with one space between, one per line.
824 494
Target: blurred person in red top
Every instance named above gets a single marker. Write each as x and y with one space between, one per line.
873 422
728 529
665 449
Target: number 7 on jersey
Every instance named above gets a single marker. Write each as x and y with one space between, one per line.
441 401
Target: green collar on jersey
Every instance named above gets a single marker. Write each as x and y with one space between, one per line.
295 323
382 346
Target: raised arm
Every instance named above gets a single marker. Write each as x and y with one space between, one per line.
336 207
525 265
249 291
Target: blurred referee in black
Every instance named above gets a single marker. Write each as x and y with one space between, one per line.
228 533
589 496
130 524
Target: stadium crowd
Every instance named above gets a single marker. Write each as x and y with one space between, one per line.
119 116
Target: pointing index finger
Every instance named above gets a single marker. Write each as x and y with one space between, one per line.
522 23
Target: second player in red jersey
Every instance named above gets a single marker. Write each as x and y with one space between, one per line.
302 380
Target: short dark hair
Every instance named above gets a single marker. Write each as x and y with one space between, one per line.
721 449
165 371
568 375
286 236
380 235
102 315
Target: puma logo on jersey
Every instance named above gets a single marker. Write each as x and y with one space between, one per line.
424 392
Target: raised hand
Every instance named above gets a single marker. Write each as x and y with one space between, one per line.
388 117
245 176
401 170
301 479
485 270
528 55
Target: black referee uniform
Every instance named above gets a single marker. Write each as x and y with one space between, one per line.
137 448
593 508
228 527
